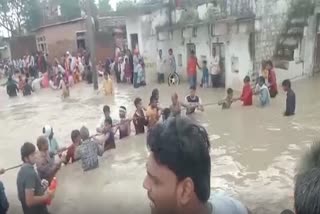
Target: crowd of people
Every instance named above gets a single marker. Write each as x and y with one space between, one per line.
170 166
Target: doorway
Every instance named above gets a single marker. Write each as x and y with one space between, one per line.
81 40
191 47
220 51
134 41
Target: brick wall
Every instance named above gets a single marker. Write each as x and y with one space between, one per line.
61 38
20 46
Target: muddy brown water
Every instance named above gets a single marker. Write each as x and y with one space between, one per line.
254 151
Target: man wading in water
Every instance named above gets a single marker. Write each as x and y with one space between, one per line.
178 171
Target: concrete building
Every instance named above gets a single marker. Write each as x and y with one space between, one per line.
244 32
55 39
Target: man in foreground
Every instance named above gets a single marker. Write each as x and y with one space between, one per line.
178 171
31 190
307 185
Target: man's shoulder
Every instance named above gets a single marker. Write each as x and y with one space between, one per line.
222 204
26 169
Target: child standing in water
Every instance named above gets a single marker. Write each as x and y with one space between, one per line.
176 105
263 92
139 119
193 101
152 113
65 88
165 114
107 85
205 75
124 125
246 96
226 102
291 98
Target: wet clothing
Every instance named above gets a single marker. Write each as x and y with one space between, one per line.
46 166
28 179
246 96
88 152
124 128
27 89
70 154
193 102
12 89
139 122
264 96
53 146
226 103
290 103
222 204
110 142
273 88
107 86
4 204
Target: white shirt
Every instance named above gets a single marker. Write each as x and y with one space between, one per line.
160 67
215 65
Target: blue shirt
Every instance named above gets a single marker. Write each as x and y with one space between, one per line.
223 204
264 96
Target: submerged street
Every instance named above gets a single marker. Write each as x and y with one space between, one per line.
254 151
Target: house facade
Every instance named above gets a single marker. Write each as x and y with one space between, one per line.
55 39
243 33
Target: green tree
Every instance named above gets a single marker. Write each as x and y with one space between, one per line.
33 15
125 4
104 7
70 9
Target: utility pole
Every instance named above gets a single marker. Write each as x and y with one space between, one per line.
90 34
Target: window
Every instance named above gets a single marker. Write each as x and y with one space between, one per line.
180 60
41 44
194 31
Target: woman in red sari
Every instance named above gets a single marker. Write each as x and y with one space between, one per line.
272 79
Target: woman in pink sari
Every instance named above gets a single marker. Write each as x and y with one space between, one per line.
272 79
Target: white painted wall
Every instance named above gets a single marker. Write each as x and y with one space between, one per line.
238 46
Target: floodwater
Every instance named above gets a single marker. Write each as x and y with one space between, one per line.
254 151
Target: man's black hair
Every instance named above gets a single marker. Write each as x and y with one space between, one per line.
287 212
307 192
152 99
204 62
26 150
286 83
106 108
74 135
307 182
155 92
262 80
246 79
229 91
137 101
192 52
269 62
166 113
108 120
193 87
183 147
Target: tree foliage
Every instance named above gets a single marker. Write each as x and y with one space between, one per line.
70 9
104 7
33 15
125 4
